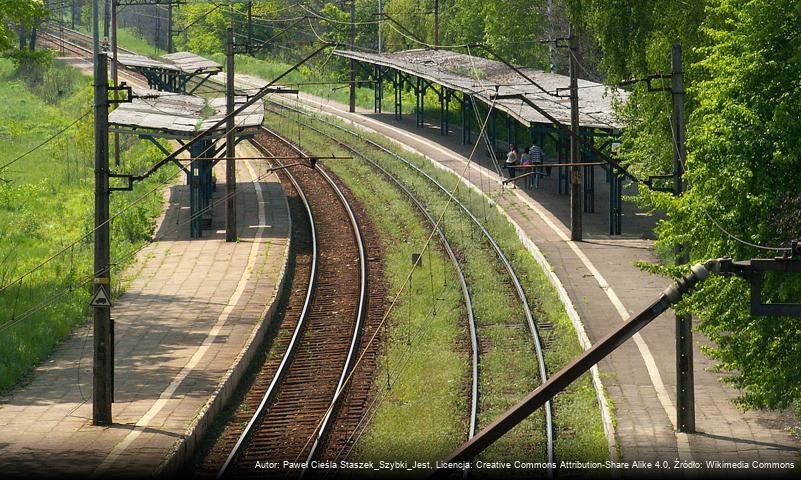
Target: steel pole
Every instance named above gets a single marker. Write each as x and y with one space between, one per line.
250 27
551 44
103 341
106 19
352 103
230 139
575 148
436 24
115 73
380 21
170 45
685 382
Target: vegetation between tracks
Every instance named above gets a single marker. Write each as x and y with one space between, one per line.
508 366
46 203
422 357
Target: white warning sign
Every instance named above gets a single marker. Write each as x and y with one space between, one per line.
101 298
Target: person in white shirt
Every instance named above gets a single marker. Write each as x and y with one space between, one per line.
511 161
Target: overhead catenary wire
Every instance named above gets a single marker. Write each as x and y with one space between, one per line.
46 141
88 279
401 288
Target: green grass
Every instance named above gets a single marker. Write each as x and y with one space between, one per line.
48 204
422 354
507 364
130 39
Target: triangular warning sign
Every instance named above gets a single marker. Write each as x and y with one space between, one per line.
101 298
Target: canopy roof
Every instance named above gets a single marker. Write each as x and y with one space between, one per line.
180 116
179 62
482 78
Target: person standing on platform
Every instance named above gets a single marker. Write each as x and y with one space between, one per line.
525 162
537 157
511 161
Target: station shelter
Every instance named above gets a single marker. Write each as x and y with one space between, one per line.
478 83
171 113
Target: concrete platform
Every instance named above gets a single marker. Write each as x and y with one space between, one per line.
190 319
601 288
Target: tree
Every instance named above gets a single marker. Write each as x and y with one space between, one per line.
742 64
22 15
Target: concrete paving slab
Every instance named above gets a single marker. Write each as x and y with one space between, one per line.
185 332
604 286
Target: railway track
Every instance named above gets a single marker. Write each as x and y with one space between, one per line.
534 328
284 403
73 40
65 45
296 410
299 389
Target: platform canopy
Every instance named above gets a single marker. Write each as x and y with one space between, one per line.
179 116
481 77
135 62
185 62
191 63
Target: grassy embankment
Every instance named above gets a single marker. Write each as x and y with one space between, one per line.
508 368
47 204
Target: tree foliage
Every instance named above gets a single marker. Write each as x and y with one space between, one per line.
18 15
742 65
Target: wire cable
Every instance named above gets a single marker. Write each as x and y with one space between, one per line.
401 289
48 140
89 279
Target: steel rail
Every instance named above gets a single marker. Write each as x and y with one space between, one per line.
449 250
294 342
362 309
58 41
284 365
504 260
88 38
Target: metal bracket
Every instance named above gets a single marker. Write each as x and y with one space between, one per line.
123 87
650 183
126 188
753 271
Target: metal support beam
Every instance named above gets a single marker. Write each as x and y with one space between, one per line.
575 149
567 375
419 105
563 180
378 87
397 82
466 114
493 128
230 145
589 181
103 361
615 202
589 189
444 102
685 384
